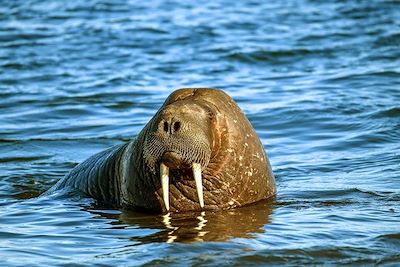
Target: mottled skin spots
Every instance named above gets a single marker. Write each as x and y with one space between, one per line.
193 125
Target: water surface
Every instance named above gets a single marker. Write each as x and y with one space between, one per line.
319 81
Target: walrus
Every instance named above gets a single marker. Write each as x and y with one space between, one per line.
198 152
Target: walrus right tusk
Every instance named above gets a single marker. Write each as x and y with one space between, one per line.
199 183
164 173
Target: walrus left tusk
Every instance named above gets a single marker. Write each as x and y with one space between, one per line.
199 185
164 173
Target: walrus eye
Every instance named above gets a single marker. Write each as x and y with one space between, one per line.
210 115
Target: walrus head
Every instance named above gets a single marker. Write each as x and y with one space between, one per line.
199 139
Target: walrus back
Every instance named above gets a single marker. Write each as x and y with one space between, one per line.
97 177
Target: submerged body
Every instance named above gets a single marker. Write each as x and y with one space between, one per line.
199 151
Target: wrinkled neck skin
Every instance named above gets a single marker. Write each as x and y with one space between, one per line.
238 172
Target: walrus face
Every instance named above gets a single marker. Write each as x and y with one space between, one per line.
180 140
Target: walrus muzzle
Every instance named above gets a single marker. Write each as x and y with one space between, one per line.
179 142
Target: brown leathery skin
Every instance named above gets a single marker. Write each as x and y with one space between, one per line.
193 125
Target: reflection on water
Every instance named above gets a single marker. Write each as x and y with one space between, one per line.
201 226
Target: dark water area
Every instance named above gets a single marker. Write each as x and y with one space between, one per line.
319 80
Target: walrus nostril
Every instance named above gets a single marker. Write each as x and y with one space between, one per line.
171 127
177 126
166 128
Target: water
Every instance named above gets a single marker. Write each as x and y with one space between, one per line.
320 81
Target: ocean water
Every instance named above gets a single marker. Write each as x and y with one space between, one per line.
319 80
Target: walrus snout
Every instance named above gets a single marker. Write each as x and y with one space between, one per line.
179 137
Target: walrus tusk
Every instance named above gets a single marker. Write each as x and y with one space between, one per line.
199 185
164 173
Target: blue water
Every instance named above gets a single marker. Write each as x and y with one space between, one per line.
320 81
